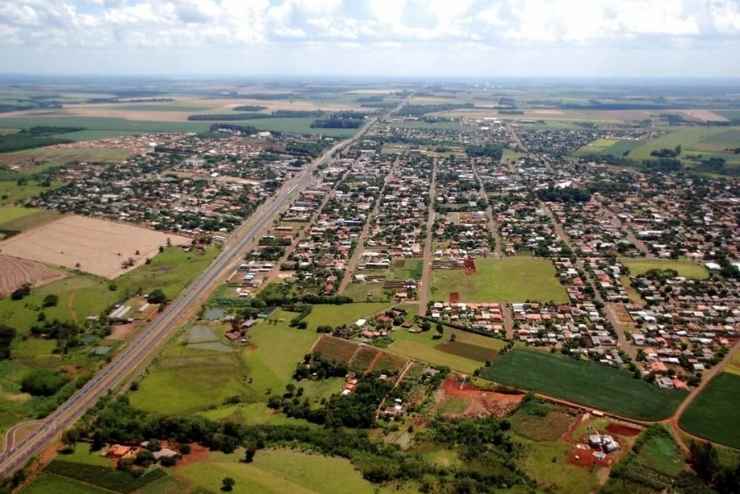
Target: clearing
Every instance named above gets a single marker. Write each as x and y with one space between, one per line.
91 245
514 279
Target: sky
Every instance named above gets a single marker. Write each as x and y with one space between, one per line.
385 38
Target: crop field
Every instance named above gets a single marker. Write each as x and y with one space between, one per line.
110 127
61 155
82 295
300 125
364 358
586 383
337 315
15 273
688 269
614 147
336 349
705 141
713 414
467 350
49 483
513 279
422 346
278 470
90 245
549 427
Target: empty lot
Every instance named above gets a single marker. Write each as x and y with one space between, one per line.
91 245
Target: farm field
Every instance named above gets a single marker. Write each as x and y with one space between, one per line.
688 269
586 383
15 273
422 346
82 295
612 147
713 414
62 155
704 141
91 245
358 357
301 125
513 279
278 470
49 483
337 315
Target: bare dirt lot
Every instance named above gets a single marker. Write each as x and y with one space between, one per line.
91 245
477 402
16 272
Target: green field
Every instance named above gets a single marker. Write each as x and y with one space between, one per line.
11 192
268 361
12 213
82 295
300 125
60 156
513 279
713 414
705 141
276 471
547 462
336 315
49 483
583 382
688 269
422 346
408 269
614 147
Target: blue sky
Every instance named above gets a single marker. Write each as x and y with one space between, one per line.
454 38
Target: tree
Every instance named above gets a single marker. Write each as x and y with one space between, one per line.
156 297
6 338
43 382
50 300
249 454
227 484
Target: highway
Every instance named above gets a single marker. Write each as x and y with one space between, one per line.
148 342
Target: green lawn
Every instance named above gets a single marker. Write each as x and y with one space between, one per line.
421 346
713 414
411 269
688 269
661 454
277 471
82 295
587 383
513 279
336 315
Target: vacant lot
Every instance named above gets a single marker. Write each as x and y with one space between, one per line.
713 414
514 279
91 245
587 383
683 268
15 273
336 315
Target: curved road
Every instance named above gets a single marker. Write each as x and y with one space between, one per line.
147 343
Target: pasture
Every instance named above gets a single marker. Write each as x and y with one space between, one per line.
706 142
687 269
583 382
513 279
59 155
276 470
298 125
613 147
713 414
91 245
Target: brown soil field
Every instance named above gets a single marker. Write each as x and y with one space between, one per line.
15 272
335 349
703 115
88 244
481 402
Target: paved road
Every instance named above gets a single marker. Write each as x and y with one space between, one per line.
148 342
424 290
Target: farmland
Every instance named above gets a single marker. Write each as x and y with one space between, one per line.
62 155
683 268
361 358
15 272
586 383
301 125
696 141
713 414
514 279
336 315
423 346
84 295
90 245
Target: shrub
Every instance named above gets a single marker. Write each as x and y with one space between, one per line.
43 382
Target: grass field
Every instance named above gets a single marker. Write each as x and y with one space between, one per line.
83 295
11 192
13 213
713 414
409 269
547 463
613 147
704 141
421 346
536 427
274 471
688 269
336 315
514 279
587 383
60 156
